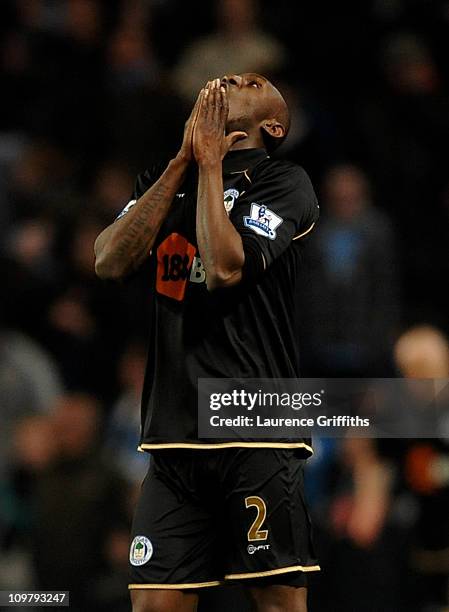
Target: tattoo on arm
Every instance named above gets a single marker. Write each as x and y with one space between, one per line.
139 235
124 245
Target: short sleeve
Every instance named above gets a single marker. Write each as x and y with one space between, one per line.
279 207
143 182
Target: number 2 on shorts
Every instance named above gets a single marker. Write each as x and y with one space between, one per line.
255 532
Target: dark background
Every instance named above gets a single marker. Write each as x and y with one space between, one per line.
93 91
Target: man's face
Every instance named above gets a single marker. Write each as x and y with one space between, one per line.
252 98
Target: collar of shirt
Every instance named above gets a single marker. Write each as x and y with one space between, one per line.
242 159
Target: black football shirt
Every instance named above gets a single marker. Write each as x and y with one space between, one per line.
246 331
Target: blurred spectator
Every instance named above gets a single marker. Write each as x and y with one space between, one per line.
350 305
313 140
29 384
83 20
366 556
131 57
238 45
80 511
56 58
423 352
112 187
40 182
30 245
363 535
35 448
361 516
406 159
143 117
82 314
403 129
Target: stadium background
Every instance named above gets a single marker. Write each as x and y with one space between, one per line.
91 91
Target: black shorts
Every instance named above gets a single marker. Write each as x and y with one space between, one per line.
206 517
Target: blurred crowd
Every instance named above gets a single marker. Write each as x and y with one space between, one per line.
92 93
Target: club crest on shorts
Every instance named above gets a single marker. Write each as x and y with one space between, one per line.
141 551
229 198
263 221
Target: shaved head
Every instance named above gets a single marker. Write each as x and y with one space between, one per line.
256 106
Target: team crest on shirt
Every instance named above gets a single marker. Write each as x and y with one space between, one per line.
141 551
262 220
229 198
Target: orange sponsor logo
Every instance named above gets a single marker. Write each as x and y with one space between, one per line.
174 260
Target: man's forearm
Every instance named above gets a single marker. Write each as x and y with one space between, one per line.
124 245
219 243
